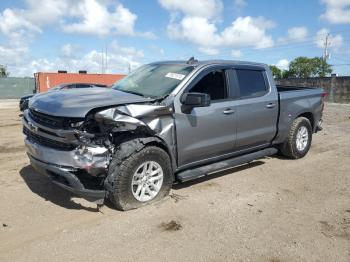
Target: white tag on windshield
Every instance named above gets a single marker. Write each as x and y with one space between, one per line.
175 76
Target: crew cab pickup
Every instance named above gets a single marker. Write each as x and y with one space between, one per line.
166 122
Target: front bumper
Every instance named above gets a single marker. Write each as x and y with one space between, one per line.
60 167
67 180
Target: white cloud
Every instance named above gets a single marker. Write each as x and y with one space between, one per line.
129 51
197 30
19 26
337 11
12 55
283 64
43 12
197 22
68 50
119 59
20 63
334 41
247 32
295 34
243 32
95 18
236 53
12 20
197 8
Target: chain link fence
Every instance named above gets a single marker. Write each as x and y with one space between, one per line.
15 87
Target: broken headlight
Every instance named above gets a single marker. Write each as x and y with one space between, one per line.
76 124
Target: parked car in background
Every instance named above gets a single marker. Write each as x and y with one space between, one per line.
23 102
165 122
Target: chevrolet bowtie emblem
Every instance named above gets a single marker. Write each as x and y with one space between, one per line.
32 127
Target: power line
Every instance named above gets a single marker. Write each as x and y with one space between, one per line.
341 59
341 65
307 41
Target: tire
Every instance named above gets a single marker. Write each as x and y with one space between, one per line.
290 148
123 172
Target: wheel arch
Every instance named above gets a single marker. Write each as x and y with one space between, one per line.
131 143
310 117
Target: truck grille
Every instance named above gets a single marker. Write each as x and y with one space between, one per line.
52 121
46 141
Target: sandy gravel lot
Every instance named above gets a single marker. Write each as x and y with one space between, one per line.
270 210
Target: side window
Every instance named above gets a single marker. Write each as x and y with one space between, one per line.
83 86
251 83
69 87
213 84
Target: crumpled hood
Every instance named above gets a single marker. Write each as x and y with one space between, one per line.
78 102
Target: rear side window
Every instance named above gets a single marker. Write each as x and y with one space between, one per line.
251 83
83 86
68 86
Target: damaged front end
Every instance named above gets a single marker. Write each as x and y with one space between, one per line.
76 156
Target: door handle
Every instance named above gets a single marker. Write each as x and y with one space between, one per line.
228 111
270 105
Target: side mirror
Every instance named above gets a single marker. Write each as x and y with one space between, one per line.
195 99
191 100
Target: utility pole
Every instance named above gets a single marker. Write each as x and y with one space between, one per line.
129 68
327 44
102 61
106 59
326 56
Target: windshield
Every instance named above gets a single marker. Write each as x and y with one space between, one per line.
154 80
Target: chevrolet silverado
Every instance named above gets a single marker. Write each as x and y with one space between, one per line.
167 122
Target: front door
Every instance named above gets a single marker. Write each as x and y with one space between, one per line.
206 132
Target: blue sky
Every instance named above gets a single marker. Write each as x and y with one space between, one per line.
51 35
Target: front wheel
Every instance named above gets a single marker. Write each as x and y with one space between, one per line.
299 139
142 178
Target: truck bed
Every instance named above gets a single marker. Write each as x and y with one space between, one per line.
282 88
295 101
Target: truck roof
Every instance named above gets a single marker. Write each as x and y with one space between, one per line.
210 62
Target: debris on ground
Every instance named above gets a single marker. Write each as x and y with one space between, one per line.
171 226
177 197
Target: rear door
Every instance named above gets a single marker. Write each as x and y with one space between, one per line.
206 132
257 108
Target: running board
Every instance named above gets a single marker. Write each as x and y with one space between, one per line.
225 164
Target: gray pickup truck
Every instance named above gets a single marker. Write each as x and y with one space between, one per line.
166 122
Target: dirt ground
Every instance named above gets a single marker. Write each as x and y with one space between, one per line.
271 210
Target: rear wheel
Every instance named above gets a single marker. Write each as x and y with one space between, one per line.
299 139
142 178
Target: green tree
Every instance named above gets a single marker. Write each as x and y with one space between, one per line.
301 67
3 71
276 72
308 67
322 68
